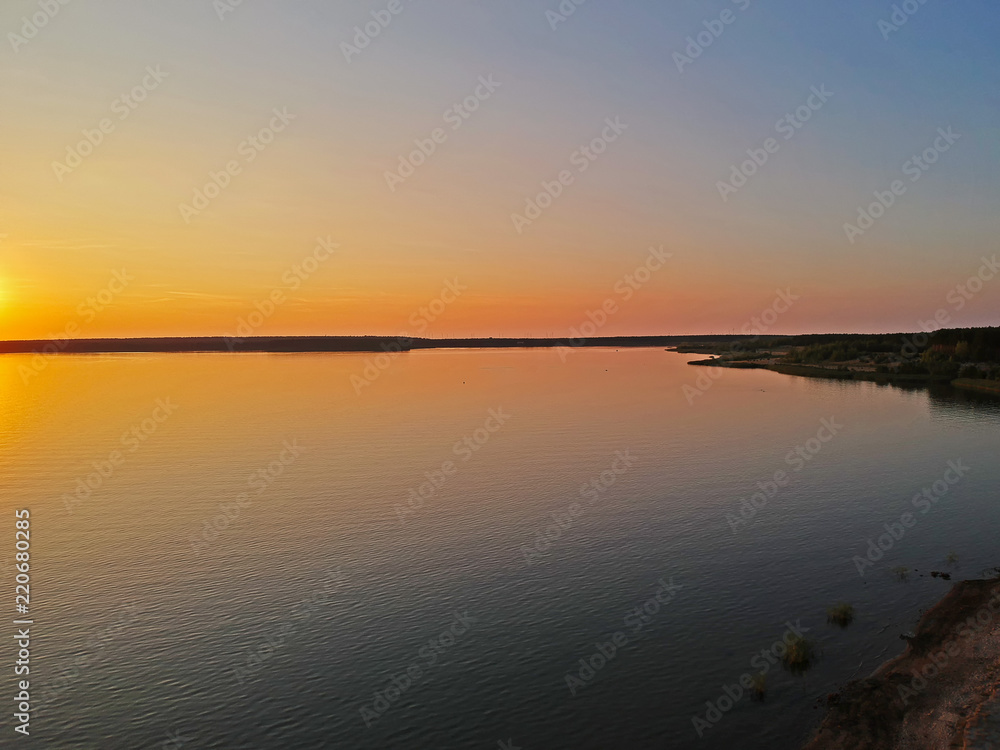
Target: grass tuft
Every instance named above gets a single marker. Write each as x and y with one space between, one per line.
800 654
759 689
841 614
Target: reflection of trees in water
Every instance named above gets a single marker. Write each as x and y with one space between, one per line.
945 397
941 396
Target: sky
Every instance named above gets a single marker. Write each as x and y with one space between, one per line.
487 168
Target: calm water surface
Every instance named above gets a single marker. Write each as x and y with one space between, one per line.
158 615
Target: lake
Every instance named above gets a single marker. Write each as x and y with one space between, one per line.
242 551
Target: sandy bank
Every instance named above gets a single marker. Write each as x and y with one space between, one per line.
942 692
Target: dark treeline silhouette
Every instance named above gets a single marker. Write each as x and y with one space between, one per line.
966 344
304 344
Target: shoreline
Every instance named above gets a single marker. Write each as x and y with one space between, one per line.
828 373
943 691
980 386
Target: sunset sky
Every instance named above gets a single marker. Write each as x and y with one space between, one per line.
209 83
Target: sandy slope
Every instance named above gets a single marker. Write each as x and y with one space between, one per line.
942 692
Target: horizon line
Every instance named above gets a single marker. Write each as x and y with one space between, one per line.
367 343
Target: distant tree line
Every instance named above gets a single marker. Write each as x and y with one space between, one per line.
953 352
